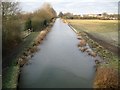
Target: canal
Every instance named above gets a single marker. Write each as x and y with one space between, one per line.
59 63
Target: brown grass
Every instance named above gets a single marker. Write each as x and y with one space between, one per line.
22 60
106 78
33 49
82 43
43 33
83 49
40 37
94 54
37 42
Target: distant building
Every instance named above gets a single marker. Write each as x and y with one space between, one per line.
101 16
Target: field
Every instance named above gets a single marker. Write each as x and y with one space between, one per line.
106 30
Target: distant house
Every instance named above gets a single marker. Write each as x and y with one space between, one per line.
92 15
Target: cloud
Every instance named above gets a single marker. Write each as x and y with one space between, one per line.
62 0
76 7
89 7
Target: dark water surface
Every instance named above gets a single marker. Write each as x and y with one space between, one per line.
59 63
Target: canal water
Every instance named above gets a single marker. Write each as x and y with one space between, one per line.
59 63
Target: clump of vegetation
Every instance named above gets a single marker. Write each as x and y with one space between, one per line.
83 49
42 17
22 60
106 78
40 37
33 49
82 43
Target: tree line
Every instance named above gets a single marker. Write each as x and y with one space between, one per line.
103 16
14 22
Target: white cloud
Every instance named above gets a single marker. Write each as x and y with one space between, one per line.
78 6
63 0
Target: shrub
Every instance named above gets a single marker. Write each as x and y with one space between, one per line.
11 34
42 17
106 78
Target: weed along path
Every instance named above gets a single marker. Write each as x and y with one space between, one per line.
59 63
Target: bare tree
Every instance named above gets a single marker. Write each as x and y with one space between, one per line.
10 9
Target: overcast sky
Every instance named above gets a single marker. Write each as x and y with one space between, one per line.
73 6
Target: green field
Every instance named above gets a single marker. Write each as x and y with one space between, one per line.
104 29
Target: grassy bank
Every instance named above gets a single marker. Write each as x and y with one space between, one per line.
107 70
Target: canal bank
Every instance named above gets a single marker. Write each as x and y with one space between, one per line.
108 66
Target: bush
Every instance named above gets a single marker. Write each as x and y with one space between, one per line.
11 34
42 17
106 77
37 23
